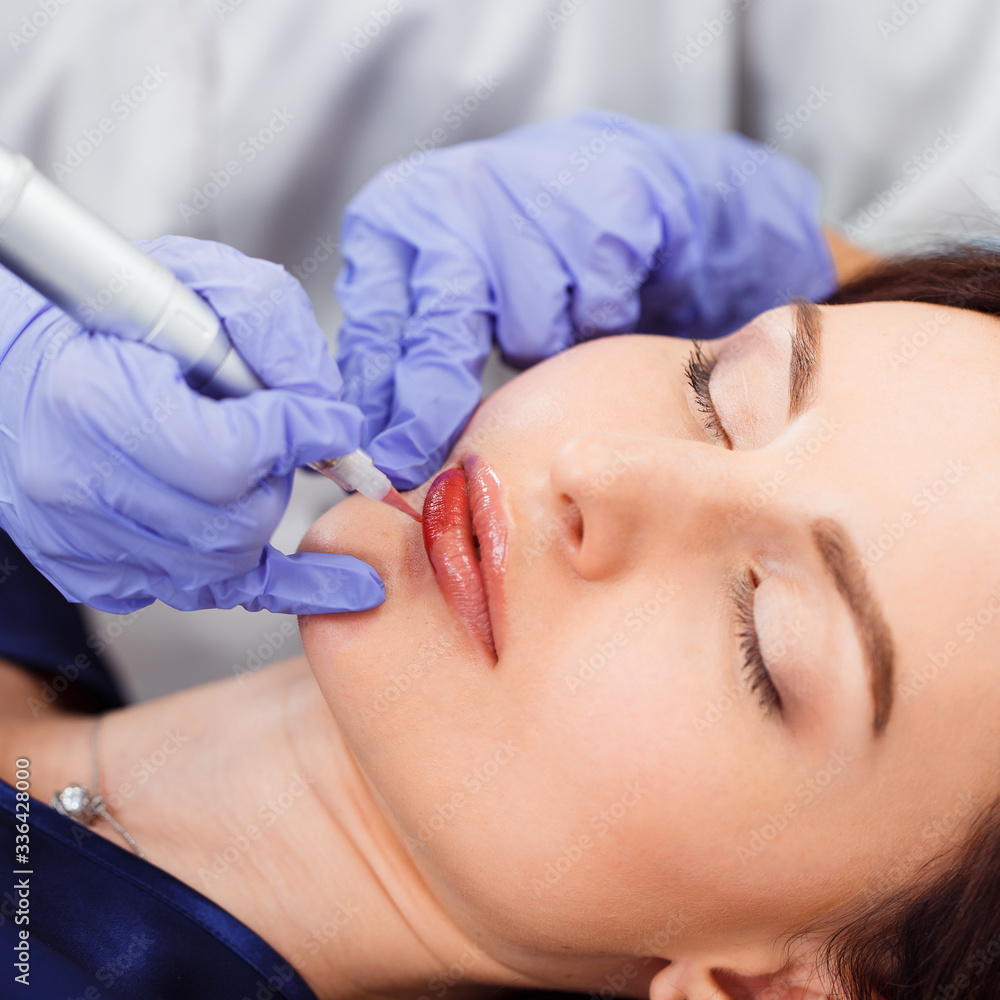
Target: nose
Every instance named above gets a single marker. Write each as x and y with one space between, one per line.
620 497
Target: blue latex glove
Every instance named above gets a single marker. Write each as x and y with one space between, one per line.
123 485
548 235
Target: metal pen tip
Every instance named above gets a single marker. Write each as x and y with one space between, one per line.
395 500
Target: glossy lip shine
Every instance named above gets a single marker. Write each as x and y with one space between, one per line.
461 507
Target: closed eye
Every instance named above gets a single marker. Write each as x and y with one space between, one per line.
698 371
754 668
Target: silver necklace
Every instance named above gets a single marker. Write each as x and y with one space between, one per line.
79 803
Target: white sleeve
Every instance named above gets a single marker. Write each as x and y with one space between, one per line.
254 122
109 99
893 105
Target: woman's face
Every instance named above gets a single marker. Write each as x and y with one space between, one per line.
620 778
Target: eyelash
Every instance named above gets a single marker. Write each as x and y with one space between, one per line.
698 371
753 659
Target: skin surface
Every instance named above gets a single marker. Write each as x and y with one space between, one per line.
606 804
639 802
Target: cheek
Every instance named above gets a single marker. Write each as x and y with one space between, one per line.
610 789
649 701
629 383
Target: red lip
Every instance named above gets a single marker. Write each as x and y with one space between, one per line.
462 506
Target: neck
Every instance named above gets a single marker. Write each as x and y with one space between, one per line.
246 791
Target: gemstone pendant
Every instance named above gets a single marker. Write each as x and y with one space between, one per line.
76 802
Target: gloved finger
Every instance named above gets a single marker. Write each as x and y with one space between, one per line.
264 309
584 184
534 295
306 583
200 543
435 391
789 255
612 249
214 450
405 266
373 291
436 383
530 285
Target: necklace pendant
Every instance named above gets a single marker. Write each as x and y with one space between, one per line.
77 803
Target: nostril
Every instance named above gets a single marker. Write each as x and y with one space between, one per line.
573 519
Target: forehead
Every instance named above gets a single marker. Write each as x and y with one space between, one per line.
940 359
911 391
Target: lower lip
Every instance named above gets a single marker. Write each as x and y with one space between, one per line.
450 543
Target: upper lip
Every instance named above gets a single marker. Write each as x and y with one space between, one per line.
465 500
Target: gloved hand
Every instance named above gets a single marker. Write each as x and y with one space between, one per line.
548 235
123 485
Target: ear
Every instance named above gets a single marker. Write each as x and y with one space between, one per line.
692 980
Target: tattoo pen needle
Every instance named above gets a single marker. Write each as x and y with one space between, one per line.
357 472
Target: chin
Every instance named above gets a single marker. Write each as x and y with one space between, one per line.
391 543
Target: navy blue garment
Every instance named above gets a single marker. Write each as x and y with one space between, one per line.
104 924
135 930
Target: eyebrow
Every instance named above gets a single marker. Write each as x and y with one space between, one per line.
844 565
806 343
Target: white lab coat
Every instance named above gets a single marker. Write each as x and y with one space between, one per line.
254 121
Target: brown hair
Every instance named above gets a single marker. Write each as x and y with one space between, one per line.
967 277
